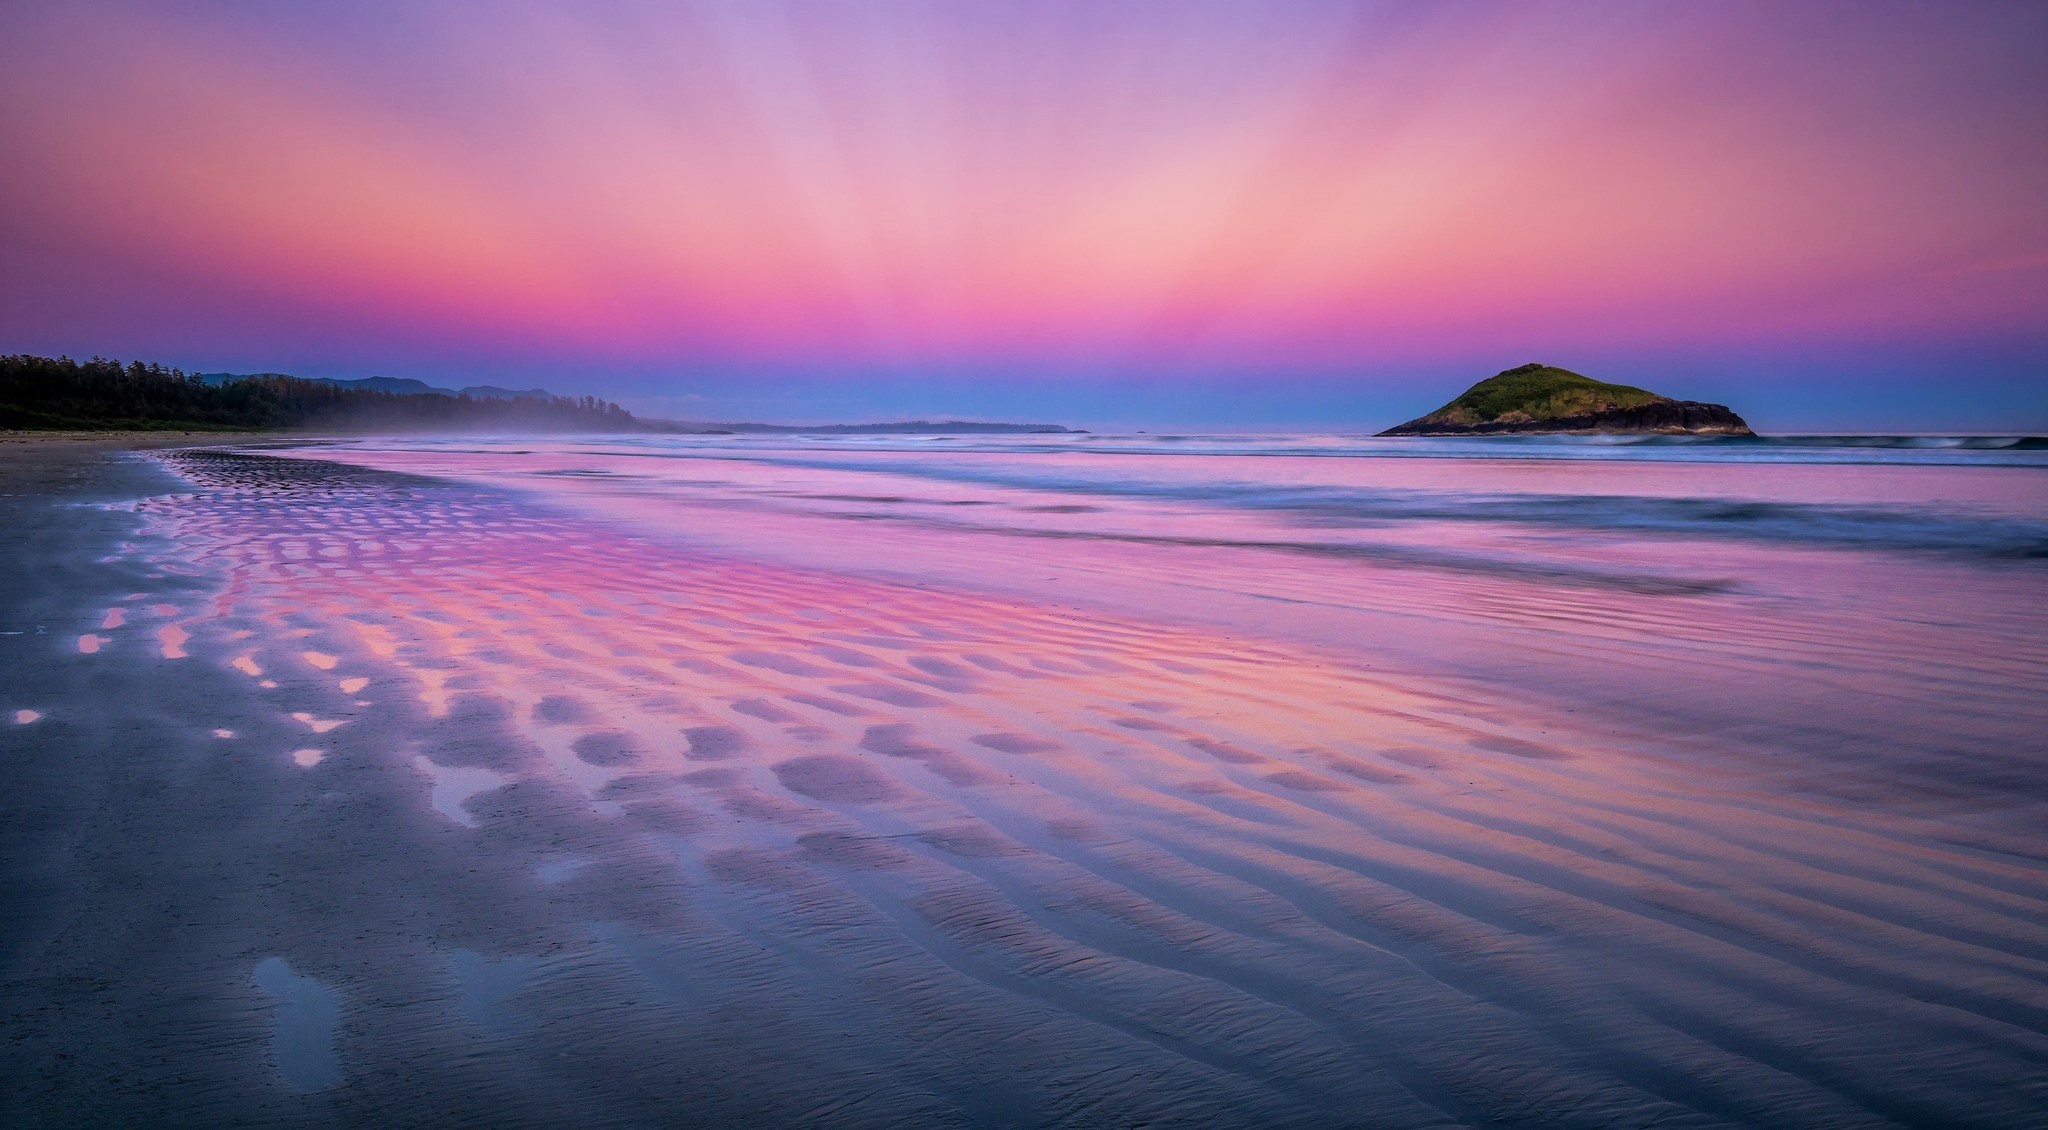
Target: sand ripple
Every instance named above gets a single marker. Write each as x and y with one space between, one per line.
883 853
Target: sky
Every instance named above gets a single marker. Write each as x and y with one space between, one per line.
1262 214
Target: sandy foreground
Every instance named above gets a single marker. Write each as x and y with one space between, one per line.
345 796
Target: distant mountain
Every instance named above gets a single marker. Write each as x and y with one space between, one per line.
1538 398
408 387
218 379
493 392
905 427
403 386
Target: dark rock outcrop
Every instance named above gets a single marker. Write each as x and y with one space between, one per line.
1538 399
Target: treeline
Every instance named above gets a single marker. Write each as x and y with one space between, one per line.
58 393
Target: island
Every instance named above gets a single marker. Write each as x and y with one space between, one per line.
1538 398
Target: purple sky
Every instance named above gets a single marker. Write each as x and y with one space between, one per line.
1278 214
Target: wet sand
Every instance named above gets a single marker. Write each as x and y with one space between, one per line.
378 798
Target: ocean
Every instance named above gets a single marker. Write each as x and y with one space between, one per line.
1841 589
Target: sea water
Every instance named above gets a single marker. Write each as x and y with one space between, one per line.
1257 780
1822 592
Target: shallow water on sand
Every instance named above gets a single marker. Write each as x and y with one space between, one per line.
1837 610
1013 787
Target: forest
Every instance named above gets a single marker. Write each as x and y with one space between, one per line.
60 394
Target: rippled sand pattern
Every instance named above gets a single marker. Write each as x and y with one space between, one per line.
914 855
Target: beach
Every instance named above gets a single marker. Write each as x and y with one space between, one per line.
1021 783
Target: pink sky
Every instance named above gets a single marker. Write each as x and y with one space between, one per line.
734 206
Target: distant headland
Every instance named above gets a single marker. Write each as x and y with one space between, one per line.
60 394
1538 398
903 427
405 386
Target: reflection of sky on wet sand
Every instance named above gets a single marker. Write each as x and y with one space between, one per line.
306 1015
1170 862
1825 599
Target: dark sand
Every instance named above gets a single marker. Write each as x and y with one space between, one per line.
521 823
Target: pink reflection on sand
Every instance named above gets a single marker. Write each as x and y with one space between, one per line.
828 692
1661 623
1114 809
173 639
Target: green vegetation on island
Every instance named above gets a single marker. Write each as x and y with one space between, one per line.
1538 392
1537 398
59 394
